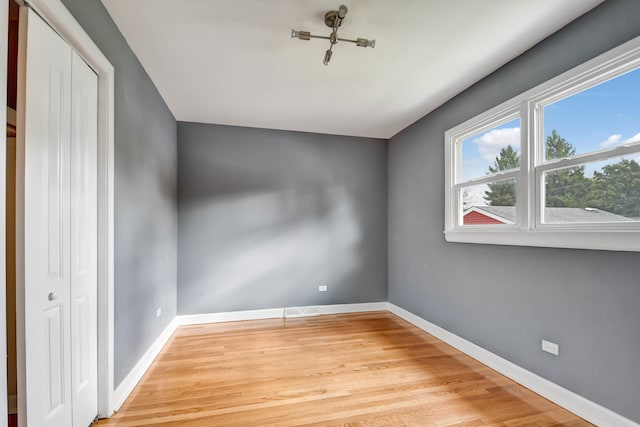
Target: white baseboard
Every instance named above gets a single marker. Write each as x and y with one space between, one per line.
353 308
230 316
276 313
127 385
569 400
13 404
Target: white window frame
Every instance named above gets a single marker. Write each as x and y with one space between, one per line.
529 230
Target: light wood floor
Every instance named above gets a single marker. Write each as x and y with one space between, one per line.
370 369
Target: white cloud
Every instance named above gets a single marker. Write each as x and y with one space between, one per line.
490 143
616 139
634 138
612 140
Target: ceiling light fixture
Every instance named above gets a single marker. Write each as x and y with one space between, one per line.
333 19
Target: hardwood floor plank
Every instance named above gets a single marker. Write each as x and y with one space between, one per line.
365 370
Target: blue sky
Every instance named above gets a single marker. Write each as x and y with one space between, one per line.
597 118
479 152
600 117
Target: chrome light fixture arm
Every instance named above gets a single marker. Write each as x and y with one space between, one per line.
333 19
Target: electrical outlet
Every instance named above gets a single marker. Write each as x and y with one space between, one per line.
158 312
550 347
322 288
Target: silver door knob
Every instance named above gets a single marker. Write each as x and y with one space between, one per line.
52 296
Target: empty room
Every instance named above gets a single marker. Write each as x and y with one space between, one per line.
316 213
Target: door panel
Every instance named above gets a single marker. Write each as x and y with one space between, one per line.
84 278
56 147
54 355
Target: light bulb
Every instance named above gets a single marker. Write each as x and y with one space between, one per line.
327 57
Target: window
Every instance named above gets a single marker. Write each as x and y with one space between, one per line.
556 166
488 163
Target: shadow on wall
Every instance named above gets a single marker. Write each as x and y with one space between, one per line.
264 248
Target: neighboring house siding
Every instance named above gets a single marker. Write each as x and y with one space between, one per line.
477 218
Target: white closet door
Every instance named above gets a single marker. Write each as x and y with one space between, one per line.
60 230
84 279
47 278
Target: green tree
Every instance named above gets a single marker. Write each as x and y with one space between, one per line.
616 188
566 187
557 147
503 193
507 159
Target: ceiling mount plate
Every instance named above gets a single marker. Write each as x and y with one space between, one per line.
330 18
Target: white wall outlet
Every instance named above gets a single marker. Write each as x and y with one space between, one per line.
550 347
158 312
322 288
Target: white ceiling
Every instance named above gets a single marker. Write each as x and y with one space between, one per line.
234 62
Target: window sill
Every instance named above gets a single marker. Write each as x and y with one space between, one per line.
628 240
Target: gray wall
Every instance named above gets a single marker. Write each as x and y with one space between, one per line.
145 194
267 216
506 299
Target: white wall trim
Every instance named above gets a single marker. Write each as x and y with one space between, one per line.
276 313
569 400
353 308
131 380
230 316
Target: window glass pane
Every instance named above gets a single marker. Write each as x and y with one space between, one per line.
604 191
491 151
603 116
493 203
